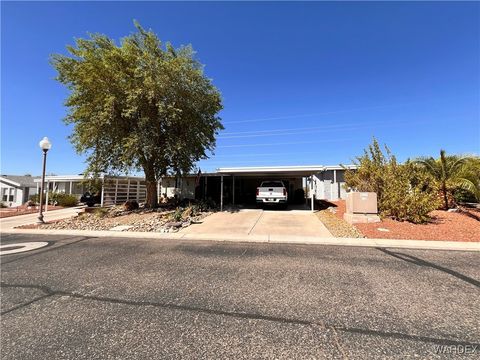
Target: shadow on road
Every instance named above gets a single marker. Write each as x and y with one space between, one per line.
417 261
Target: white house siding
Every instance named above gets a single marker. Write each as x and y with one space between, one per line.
185 187
329 185
11 195
15 194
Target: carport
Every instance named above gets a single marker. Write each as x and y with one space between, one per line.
240 183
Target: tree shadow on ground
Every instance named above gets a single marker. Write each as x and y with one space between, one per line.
420 262
324 204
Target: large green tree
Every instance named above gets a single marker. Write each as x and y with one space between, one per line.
139 105
452 172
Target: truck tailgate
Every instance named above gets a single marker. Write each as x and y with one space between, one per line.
273 192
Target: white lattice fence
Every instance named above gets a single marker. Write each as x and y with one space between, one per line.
119 190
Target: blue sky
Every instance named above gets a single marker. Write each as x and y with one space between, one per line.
302 83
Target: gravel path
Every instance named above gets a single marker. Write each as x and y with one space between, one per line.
337 226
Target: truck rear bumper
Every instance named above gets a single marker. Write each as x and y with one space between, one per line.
272 201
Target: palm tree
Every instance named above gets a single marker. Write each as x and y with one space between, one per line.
453 172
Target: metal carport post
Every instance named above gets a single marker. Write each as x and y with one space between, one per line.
311 193
221 193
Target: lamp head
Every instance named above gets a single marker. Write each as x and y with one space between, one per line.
45 144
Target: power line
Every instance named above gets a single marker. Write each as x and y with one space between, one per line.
296 116
299 131
285 143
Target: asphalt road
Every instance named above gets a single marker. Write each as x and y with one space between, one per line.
105 298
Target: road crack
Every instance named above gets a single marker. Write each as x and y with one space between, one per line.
244 315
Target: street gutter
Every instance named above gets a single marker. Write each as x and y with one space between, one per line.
269 238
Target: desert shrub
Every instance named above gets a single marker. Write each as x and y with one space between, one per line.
177 215
56 198
188 212
206 205
404 191
100 212
464 196
130 205
2 205
34 198
408 194
66 200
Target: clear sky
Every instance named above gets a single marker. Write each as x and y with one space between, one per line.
302 83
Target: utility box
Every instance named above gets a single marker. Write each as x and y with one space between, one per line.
362 203
361 207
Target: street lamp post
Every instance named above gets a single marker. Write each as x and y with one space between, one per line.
45 145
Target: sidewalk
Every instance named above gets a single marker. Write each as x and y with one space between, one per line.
11 222
284 239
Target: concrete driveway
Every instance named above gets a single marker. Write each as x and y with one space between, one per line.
261 222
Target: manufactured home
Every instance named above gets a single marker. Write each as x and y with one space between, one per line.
226 186
15 190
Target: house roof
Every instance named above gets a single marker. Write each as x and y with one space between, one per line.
80 177
18 180
304 170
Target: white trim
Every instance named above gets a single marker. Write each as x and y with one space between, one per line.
312 168
11 182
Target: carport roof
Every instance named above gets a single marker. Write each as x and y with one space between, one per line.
272 170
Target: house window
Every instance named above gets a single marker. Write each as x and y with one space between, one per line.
10 198
4 197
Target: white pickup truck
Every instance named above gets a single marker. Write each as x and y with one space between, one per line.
272 192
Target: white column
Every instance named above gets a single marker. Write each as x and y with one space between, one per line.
103 192
71 184
221 192
335 182
312 194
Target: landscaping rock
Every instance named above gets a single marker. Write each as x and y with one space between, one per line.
173 224
118 219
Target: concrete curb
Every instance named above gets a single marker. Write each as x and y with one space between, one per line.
283 239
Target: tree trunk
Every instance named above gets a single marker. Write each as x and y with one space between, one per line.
152 196
445 196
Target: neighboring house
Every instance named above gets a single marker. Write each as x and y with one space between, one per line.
15 190
115 190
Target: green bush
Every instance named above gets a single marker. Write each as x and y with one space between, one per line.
404 191
56 198
177 215
66 200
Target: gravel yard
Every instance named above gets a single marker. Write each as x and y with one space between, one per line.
449 226
337 226
156 220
